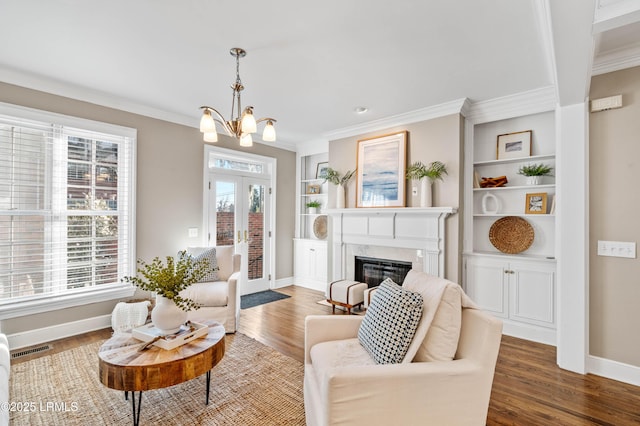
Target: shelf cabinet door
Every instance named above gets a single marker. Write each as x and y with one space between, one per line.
310 265
532 293
486 283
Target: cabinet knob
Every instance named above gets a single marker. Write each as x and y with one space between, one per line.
508 271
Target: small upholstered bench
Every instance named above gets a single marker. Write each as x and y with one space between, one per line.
345 293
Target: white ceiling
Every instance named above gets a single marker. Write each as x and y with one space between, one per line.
309 64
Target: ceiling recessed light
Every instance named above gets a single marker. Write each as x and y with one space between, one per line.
361 109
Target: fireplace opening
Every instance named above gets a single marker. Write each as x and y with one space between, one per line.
373 271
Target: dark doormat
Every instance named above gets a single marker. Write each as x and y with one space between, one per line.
260 298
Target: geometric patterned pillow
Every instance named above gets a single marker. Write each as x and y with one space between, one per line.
212 273
390 322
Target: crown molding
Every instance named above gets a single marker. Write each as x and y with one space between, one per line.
83 94
428 113
612 14
58 88
617 60
531 102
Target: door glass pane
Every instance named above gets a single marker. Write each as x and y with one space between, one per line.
225 212
256 231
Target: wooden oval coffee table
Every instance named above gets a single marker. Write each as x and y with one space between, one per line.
123 367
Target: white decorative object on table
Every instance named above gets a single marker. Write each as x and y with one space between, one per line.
167 316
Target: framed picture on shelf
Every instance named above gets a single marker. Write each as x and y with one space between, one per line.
313 189
536 203
514 145
321 170
380 179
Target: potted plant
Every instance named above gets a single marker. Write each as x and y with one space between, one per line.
313 206
426 174
167 280
534 172
333 176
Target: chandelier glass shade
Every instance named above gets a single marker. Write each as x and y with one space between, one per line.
244 124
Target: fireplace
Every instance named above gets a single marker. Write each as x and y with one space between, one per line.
373 270
412 235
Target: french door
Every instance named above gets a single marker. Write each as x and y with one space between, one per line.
239 208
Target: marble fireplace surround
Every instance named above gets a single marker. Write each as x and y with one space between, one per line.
409 234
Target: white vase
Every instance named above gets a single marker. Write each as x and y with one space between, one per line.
166 316
425 192
490 204
534 180
340 197
312 210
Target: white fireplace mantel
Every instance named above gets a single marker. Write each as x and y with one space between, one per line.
417 228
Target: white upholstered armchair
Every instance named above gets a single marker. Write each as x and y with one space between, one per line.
344 386
220 299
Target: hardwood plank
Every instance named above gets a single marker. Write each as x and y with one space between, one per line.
528 389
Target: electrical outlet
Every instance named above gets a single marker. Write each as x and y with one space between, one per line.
617 249
193 232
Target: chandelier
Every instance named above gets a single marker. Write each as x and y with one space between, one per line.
244 124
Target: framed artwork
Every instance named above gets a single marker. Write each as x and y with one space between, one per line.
536 203
380 178
514 145
313 189
321 170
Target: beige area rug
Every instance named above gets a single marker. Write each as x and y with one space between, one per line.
253 385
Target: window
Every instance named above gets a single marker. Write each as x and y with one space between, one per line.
66 216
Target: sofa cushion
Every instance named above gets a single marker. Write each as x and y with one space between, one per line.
390 323
211 294
210 255
326 356
436 339
442 338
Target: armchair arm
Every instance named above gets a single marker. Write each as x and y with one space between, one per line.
449 392
234 291
324 328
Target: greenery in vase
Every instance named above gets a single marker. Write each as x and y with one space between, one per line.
313 204
434 171
535 170
170 279
333 176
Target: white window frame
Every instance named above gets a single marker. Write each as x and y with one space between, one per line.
97 294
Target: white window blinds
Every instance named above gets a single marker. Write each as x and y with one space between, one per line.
65 209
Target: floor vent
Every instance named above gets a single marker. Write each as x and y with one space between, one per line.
30 351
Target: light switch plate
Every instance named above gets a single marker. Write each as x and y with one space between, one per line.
193 232
617 249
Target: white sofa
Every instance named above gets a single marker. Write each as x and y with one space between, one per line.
220 299
344 386
5 370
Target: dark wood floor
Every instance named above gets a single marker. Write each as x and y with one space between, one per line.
528 389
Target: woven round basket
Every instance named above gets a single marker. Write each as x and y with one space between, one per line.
511 234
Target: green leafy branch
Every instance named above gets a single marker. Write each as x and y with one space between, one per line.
170 279
535 170
434 171
333 176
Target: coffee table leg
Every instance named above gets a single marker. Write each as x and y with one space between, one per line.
136 415
208 386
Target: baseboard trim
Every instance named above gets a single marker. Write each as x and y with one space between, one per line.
59 331
283 282
613 370
527 332
312 285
